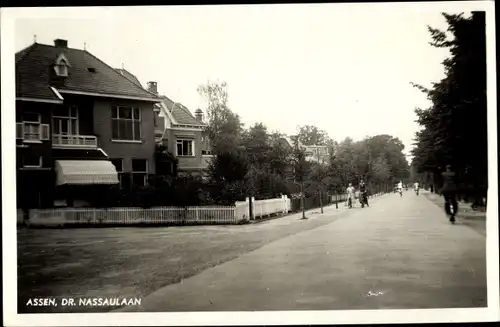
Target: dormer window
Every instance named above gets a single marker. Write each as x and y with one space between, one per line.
61 66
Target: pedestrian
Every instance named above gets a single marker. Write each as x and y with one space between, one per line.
449 191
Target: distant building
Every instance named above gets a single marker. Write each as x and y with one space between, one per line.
314 153
317 153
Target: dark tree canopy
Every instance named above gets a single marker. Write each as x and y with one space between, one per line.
454 128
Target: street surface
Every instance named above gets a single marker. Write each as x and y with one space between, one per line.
400 253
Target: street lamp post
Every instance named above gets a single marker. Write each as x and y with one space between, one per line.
303 200
321 181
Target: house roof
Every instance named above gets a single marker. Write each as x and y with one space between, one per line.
33 74
180 113
131 77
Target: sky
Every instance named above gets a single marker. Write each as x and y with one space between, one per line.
343 68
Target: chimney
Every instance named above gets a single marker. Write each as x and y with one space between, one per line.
60 43
199 114
153 87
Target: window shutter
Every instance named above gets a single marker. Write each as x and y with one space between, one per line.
44 134
19 131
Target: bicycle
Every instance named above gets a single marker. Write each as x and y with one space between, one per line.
363 199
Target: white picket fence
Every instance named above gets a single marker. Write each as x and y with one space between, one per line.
264 208
159 215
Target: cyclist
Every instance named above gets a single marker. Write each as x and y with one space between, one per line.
416 187
449 191
350 195
400 188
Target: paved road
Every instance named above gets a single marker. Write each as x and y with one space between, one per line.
400 253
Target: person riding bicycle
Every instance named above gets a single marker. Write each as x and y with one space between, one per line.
350 194
449 191
416 187
363 195
400 187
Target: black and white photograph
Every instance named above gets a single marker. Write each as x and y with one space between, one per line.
249 164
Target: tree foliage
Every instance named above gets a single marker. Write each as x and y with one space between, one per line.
312 135
379 160
454 128
256 162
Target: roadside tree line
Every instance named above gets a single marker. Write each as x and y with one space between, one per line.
454 129
257 162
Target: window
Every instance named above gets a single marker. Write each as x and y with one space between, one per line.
31 126
118 163
126 123
61 66
61 70
139 172
31 129
31 160
65 120
185 148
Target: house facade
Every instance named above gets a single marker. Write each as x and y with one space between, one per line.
317 153
81 126
183 134
313 153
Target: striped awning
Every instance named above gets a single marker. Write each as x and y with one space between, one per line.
85 172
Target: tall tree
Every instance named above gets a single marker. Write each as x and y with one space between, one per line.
228 168
312 135
280 155
257 145
454 129
224 128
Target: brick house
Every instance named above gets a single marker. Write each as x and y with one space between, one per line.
80 126
182 133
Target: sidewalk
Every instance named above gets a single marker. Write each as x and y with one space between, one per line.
465 216
400 253
330 211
